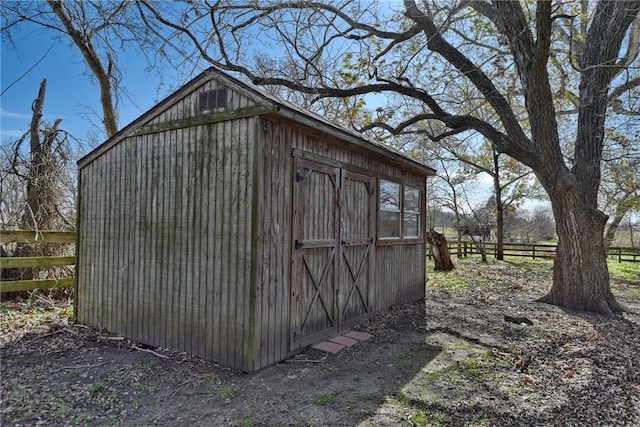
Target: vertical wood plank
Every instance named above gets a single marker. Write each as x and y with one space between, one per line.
168 240
191 236
173 285
220 334
203 255
119 243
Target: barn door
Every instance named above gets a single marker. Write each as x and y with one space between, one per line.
316 247
333 251
356 240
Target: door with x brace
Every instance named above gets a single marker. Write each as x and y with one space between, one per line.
356 248
333 244
316 246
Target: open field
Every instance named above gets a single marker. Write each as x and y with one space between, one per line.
450 359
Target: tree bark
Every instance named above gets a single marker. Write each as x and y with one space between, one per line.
580 274
497 188
441 255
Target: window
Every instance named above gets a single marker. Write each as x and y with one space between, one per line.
411 213
399 211
212 99
389 210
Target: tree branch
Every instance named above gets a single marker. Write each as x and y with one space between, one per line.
88 51
619 90
516 143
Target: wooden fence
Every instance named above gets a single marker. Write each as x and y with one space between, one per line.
34 237
535 250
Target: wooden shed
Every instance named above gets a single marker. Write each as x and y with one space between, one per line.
230 224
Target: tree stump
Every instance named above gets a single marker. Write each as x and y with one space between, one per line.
440 249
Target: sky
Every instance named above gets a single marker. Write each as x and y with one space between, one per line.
71 93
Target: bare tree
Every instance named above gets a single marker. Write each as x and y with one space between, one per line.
41 170
620 178
447 190
101 31
36 178
510 183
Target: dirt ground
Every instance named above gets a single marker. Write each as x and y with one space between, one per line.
450 359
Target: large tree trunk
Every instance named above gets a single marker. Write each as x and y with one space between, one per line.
580 275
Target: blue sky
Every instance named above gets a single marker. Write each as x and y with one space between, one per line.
71 93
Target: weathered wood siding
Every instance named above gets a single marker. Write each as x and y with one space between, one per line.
398 270
400 275
186 231
165 236
274 251
187 107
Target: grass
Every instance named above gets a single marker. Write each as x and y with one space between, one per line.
325 399
418 413
246 421
95 387
210 378
360 396
458 279
30 314
416 354
474 367
625 271
144 366
228 391
625 276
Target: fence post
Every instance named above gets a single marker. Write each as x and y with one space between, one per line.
619 255
533 250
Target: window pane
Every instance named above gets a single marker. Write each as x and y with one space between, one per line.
410 225
389 224
411 199
389 196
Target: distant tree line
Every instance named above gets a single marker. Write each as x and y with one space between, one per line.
521 225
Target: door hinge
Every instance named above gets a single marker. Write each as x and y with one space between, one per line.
301 176
298 244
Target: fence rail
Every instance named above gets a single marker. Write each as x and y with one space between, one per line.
536 250
35 237
26 236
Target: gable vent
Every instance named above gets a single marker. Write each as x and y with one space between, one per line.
212 99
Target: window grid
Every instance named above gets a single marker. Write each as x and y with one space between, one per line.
399 214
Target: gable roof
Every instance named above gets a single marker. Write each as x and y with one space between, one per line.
273 105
